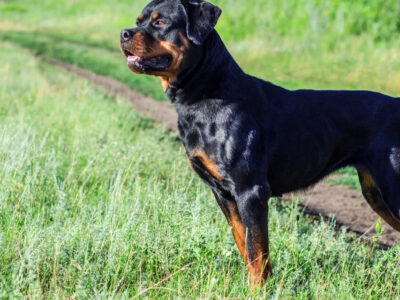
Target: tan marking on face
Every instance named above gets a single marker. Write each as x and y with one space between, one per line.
178 53
155 16
146 48
140 17
165 84
139 44
208 163
184 40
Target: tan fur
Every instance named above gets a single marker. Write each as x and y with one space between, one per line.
366 180
373 196
164 83
139 44
208 163
142 47
260 267
238 233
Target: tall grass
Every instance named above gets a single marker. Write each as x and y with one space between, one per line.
97 201
298 44
93 58
299 20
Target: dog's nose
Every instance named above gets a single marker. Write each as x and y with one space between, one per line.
126 35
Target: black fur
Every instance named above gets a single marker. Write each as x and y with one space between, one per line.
266 140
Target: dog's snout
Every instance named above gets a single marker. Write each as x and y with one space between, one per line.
126 35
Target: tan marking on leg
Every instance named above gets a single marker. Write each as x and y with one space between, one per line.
238 233
208 163
260 268
231 213
373 196
366 179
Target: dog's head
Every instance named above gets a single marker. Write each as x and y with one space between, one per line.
167 32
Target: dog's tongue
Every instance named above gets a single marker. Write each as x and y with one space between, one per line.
133 58
156 62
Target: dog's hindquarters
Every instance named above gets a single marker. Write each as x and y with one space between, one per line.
380 183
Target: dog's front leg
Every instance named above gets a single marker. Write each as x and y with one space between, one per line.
229 208
253 209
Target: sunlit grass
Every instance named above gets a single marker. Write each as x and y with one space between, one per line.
97 201
298 44
95 59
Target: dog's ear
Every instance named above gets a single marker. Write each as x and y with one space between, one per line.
202 17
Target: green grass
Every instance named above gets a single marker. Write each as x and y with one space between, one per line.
298 44
348 177
97 201
97 60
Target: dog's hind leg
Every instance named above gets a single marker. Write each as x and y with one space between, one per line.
375 198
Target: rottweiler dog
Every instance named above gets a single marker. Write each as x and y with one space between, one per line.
249 139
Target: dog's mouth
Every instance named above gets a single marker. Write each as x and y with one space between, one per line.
155 63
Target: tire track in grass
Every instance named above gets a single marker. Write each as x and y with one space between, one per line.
161 112
348 207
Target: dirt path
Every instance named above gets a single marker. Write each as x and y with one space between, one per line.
348 206
158 111
349 209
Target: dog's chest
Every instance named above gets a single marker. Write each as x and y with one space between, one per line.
205 139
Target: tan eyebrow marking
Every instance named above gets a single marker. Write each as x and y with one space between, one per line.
140 17
155 16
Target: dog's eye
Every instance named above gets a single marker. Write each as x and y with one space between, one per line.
159 23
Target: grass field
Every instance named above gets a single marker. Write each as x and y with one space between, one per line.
298 44
98 201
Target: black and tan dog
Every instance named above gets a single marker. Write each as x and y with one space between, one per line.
249 139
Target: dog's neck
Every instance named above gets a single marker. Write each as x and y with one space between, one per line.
214 71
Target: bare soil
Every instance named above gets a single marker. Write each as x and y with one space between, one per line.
349 209
347 206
